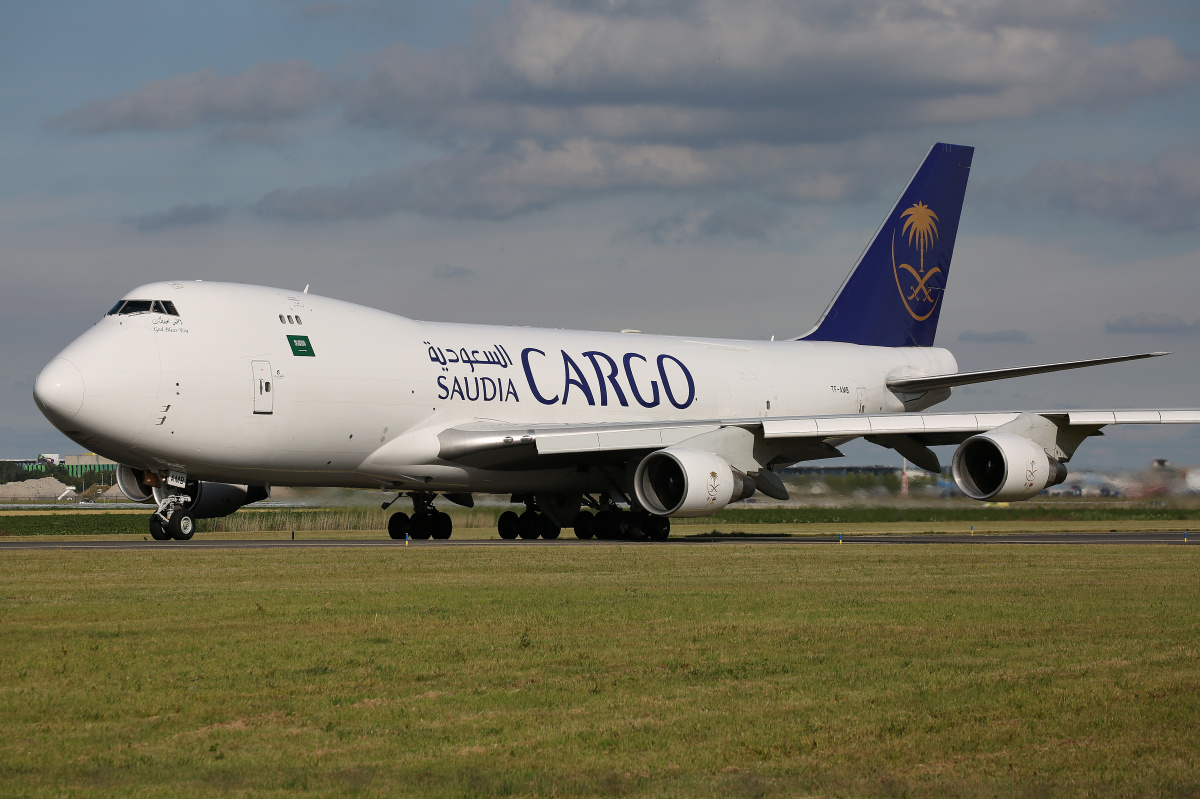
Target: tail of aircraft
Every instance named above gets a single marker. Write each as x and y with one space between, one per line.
893 296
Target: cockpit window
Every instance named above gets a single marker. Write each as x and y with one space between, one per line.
126 307
135 306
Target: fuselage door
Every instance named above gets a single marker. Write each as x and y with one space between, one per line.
263 388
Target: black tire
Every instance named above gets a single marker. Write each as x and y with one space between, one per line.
420 526
602 525
181 526
443 525
614 527
660 529
398 525
585 525
529 525
639 526
158 530
507 524
550 530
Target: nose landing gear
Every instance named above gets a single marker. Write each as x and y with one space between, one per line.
172 520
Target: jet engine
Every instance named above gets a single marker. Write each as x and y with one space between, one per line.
129 480
1004 467
688 482
211 500
208 500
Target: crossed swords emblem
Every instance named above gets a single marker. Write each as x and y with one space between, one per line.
921 281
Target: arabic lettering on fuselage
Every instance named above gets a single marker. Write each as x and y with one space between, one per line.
475 388
445 357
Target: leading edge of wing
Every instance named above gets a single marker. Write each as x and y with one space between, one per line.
916 385
466 440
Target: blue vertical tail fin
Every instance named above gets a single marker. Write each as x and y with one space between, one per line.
893 296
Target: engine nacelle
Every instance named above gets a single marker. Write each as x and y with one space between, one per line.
211 500
688 482
1004 467
129 480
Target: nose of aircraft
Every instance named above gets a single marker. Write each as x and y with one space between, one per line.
59 388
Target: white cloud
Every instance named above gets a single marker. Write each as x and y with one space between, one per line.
1145 322
1161 195
267 92
553 100
498 182
180 216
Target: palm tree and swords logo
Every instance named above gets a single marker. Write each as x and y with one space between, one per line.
919 295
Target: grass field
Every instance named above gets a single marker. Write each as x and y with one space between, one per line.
619 670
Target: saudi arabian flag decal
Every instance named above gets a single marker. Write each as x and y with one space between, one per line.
301 346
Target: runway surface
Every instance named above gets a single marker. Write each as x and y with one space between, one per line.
1161 538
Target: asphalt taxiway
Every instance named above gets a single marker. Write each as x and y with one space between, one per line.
1101 538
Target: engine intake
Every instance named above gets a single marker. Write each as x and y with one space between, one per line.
1004 467
130 481
688 482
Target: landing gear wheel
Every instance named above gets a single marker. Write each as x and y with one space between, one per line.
614 526
659 528
507 525
550 530
442 525
602 525
639 527
421 526
398 525
181 526
585 525
529 525
158 530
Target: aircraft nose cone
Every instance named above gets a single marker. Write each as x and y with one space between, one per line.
59 388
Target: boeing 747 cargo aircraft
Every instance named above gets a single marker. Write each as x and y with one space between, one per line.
229 389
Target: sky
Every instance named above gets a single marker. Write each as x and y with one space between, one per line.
704 168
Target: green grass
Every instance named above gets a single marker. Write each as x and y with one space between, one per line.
339 519
623 670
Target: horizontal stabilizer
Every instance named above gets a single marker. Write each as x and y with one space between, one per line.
916 385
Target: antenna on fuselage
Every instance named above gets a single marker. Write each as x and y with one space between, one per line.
305 288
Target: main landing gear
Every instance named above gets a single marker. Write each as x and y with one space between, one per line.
615 524
611 523
426 521
533 523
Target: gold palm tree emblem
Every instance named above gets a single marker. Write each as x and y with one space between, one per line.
921 224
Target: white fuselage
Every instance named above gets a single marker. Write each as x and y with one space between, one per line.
345 395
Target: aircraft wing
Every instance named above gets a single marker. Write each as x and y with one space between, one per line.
798 438
916 385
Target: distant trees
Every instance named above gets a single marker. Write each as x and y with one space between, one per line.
12 473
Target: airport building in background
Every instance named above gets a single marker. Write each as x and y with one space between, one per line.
75 465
